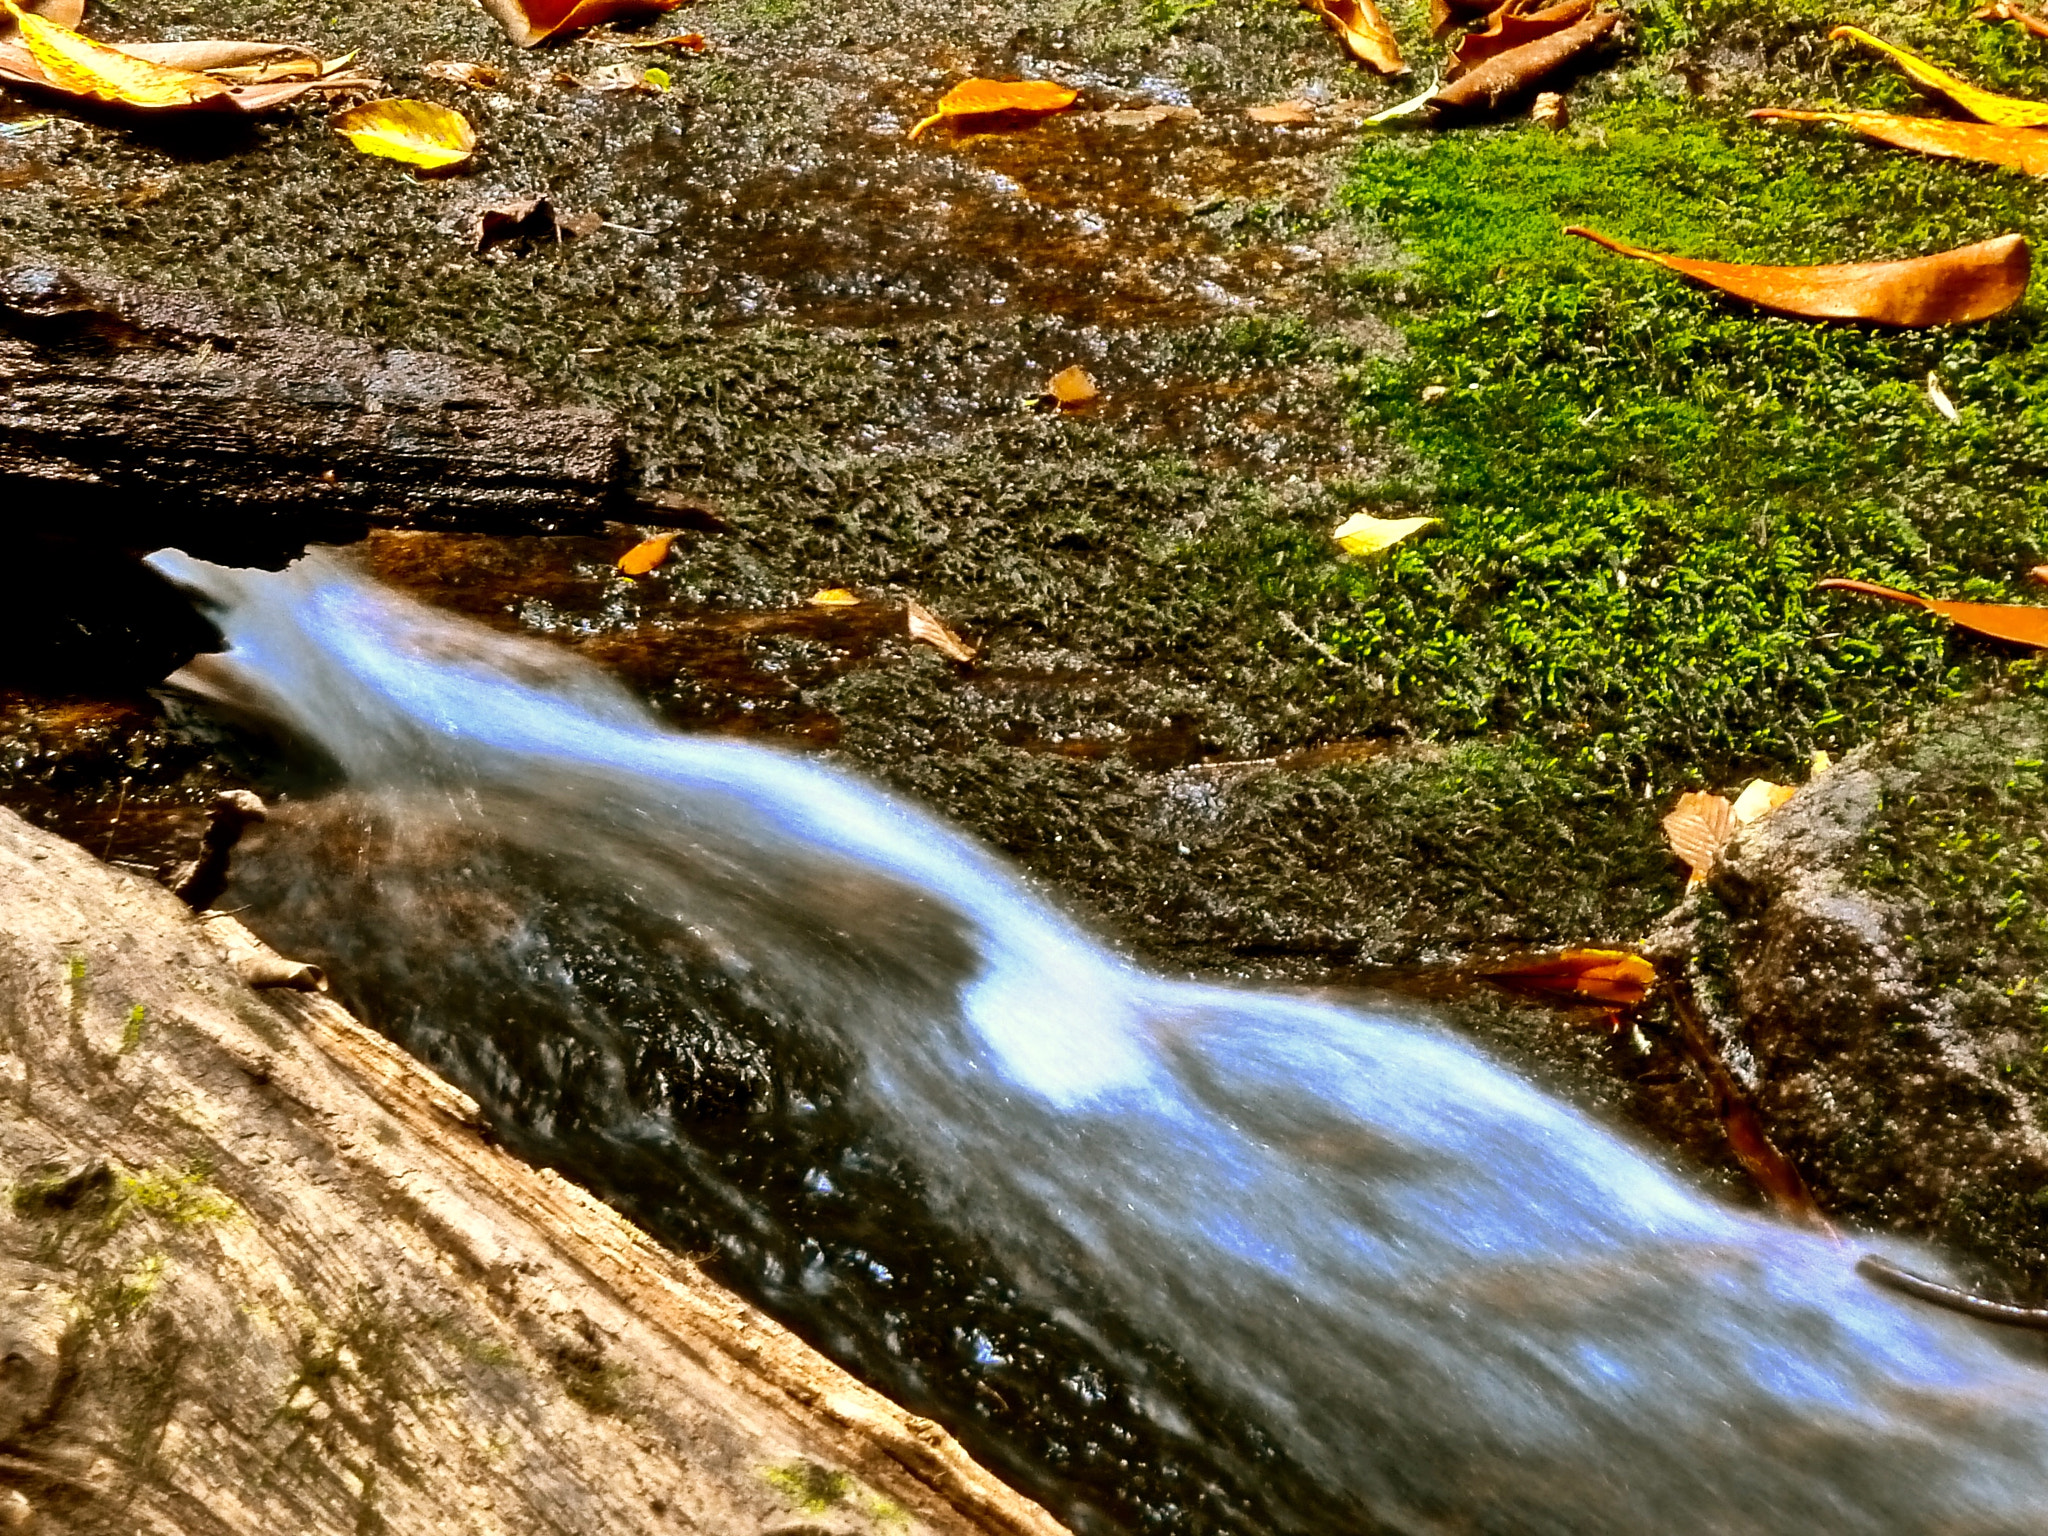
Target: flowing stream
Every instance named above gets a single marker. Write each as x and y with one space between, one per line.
1174 1258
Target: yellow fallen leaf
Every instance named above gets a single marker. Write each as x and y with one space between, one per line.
646 555
1697 829
1820 764
417 133
925 625
998 99
78 66
1759 798
1364 33
2005 111
833 597
1072 388
1363 534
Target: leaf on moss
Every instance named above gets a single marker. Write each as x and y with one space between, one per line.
1072 389
2005 10
646 555
980 105
925 625
2017 149
1363 534
1615 977
1364 33
2019 623
530 218
416 133
530 22
1509 27
1697 829
1952 288
1512 75
2005 111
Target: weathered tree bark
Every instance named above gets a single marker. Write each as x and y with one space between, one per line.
261 1272
163 400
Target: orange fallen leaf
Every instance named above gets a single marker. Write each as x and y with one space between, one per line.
833 597
987 103
529 22
1507 76
1758 799
1697 829
925 625
1445 14
1612 976
2017 149
1952 288
2039 573
646 555
1364 33
2004 10
2006 111
1072 389
2016 622
1508 28
1286 114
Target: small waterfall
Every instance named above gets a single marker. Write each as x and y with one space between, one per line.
1174 1258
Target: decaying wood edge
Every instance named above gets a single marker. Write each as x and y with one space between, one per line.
756 1354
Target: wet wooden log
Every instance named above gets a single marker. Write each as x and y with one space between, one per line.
260 1271
165 401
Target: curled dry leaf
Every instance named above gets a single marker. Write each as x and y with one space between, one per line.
1551 111
532 218
925 625
415 133
1072 389
646 556
833 597
529 22
978 105
1297 113
1364 33
1614 977
2005 111
1446 14
2018 149
2016 622
1952 288
1509 28
1363 534
2005 10
1508 76
478 77
1698 828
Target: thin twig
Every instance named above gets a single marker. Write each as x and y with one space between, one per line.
1875 1267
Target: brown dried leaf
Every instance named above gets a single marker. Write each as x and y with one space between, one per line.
228 58
533 218
2018 149
926 626
1147 117
478 77
1952 288
1612 976
1445 14
646 555
2018 623
1072 389
528 22
980 105
2005 10
1364 33
1296 113
2039 573
1697 829
1506 76
1508 28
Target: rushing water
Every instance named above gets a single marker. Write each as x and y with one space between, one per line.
1174 1257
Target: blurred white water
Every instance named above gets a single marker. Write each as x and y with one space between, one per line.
1345 1269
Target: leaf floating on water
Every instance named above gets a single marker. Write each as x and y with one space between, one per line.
2017 149
925 625
833 597
1759 798
1508 28
1611 976
1952 288
416 133
1697 829
2019 623
646 555
2005 10
528 22
2006 111
981 104
1072 389
65 61
1363 534
1286 114
1513 74
1364 33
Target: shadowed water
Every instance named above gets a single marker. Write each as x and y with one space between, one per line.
1173 1257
